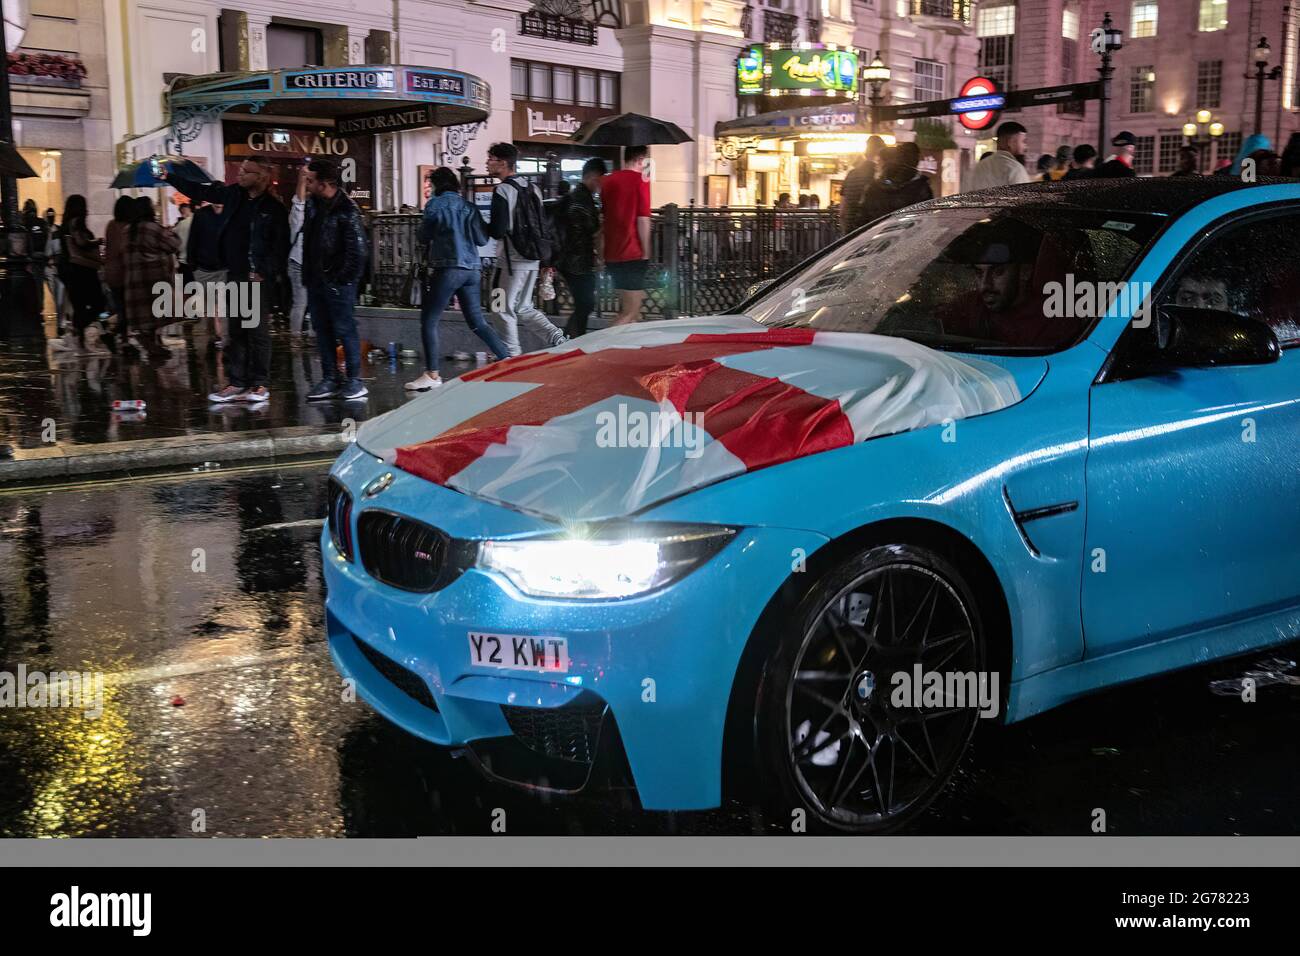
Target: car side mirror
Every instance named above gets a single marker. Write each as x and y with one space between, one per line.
1183 337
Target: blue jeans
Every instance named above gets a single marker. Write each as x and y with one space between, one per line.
464 285
334 319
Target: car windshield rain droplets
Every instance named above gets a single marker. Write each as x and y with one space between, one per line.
980 280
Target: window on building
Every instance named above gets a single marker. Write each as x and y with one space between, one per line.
1142 89
1144 155
1143 20
1213 16
539 82
996 28
1170 144
996 21
930 81
587 88
288 48
609 91
1070 23
1209 84
562 89
564 85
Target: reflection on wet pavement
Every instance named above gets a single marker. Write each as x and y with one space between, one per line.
200 598
74 391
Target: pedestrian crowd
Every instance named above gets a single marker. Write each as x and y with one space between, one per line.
253 256
887 178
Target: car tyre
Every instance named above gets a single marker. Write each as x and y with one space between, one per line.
829 739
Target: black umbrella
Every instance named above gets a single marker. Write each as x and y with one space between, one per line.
629 129
13 164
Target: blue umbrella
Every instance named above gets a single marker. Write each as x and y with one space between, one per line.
141 173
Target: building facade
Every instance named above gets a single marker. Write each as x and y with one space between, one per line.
553 64
59 83
1179 57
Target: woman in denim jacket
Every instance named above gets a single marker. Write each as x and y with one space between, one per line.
452 230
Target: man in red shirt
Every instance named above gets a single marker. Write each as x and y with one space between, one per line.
625 201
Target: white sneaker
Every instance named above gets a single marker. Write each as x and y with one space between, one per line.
231 393
423 383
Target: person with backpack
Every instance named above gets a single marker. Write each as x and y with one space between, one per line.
577 224
520 227
452 230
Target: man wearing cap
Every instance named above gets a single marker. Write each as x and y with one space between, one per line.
1121 163
1006 167
1006 302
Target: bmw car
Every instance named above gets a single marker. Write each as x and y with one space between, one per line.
977 459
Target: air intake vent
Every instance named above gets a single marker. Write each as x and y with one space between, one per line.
340 518
401 552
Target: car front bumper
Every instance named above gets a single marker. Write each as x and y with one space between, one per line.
662 664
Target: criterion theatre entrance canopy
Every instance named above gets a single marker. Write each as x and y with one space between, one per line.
359 99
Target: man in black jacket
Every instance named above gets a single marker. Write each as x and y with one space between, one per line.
253 240
900 184
334 258
579 220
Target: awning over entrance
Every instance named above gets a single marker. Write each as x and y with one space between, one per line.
358 99
840 118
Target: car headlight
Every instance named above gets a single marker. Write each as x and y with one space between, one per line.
615 562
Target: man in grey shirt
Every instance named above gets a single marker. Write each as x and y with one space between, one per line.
515 277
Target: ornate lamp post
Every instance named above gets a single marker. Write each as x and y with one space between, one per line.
1201 133
876 74
1262 73
1105 40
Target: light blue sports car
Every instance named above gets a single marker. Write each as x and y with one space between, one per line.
979 458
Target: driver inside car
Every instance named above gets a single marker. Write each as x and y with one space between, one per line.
1007 304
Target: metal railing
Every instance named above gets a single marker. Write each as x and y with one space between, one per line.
703 260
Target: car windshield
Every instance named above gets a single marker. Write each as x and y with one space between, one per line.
995 279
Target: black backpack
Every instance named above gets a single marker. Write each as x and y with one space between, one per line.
530 231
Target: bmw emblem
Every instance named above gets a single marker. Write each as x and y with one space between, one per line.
378 485
866 686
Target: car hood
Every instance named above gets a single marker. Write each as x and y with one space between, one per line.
622 419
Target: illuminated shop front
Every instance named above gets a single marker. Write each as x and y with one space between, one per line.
801 125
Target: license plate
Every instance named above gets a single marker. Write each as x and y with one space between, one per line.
512 652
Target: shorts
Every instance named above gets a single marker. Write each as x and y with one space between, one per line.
628 276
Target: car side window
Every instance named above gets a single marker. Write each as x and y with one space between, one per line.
1252 270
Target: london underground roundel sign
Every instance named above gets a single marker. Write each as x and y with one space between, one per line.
978 103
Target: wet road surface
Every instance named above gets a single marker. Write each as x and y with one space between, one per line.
222 712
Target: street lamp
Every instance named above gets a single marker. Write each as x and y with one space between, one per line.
1200 133
1262 53
877 75
1105 41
